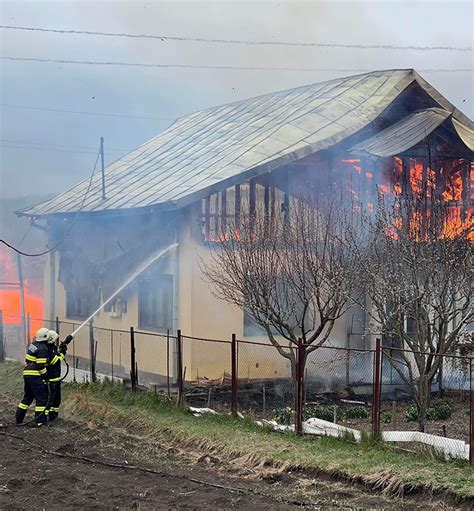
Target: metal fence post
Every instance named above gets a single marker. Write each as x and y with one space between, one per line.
168 361
133 367
112 355
471 392
179 376
299 388
57 325
234 374
92 352
2 342
28 327
376 392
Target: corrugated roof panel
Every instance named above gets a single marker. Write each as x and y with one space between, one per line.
404 134
466 134
224 142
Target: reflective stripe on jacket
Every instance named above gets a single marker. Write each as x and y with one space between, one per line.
54 364
36 359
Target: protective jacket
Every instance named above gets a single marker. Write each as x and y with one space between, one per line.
54 365
36 359
35 374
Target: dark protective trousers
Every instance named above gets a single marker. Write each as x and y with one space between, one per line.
55 389
35 390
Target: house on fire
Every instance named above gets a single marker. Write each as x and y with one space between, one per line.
362 133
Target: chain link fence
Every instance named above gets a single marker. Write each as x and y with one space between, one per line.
443 410
266 381
323 390
339 387
207 378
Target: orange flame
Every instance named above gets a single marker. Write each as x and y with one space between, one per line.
10 295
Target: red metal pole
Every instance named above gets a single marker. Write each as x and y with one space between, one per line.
299 388
92 352
179 376
2 344
234 372
377 388
133 376
168 361
471 391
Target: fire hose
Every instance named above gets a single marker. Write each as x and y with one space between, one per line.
50 395
70 337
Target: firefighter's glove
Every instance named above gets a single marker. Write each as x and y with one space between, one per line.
62 348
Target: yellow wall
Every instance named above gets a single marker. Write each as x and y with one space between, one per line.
199 314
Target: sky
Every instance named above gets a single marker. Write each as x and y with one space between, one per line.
44 152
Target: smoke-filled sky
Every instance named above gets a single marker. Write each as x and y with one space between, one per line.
45 152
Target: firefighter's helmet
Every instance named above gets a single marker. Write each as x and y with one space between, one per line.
43 335
54 336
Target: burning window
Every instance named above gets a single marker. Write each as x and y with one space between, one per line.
155 303
221 211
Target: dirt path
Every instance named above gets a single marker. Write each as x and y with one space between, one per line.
31 479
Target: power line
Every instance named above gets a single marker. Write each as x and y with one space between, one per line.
28 107
50 149
68 231
238 41
196 66
10 141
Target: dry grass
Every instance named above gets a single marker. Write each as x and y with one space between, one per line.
254 450
251 451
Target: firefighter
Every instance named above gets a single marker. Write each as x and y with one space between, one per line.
57 353
34 376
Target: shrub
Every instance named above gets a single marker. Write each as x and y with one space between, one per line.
411 413
324 412
386 417
356 412
283 415
438 412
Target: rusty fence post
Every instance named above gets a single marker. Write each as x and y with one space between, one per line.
2 341
168 361
133 365
299 388
377 388
92 352
471 401
179 368
234 373
112 355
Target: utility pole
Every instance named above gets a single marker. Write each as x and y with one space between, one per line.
24 334
103 166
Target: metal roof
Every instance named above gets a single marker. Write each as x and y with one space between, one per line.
403 134
232 142
466 134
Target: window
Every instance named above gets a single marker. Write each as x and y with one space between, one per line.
287 313
221 212
155 303
77 305
116 307
252 328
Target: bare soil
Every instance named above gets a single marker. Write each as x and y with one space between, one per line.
33 479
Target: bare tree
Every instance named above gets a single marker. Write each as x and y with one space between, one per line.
416 265
292 273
